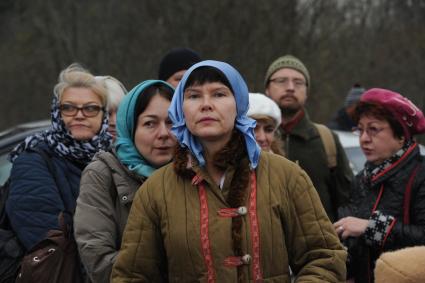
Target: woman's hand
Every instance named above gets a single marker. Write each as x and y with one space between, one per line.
350 227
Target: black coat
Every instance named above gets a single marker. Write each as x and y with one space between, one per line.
304 146
364 196
34 201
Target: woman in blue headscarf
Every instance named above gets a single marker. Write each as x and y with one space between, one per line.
225 211
108 184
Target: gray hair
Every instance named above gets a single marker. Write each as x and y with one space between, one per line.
115 90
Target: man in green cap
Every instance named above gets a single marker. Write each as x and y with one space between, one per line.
313 146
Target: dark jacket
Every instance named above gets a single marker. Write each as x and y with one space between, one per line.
365 195
106 193
34 202
304 146
341 121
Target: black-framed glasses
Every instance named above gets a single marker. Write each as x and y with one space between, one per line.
87 110
282 81
370 131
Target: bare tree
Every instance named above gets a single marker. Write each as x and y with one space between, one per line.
377 43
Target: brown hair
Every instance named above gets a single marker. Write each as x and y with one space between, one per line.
379 112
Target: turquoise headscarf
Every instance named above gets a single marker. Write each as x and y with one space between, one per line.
244 124
124 145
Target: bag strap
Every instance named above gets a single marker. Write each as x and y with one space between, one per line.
328 143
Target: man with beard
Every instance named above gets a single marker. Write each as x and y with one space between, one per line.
287 82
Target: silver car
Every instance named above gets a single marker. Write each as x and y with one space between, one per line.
11 137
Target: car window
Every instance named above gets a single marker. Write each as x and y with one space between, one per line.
356 157
11 137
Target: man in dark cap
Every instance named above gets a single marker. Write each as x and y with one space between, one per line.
175 63
342 119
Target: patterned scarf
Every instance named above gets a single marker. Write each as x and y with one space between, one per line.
60 140
372 170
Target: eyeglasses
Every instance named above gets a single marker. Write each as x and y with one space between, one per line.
281 81
370 131
87 110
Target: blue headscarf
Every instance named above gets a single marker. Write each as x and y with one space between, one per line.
124 145
244 124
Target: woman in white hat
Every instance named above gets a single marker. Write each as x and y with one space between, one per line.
267 114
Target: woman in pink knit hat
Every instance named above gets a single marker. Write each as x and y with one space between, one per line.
387 202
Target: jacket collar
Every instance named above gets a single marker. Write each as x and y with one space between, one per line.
112 161
289 125
411 153
304 128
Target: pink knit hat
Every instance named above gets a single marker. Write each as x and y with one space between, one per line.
407 114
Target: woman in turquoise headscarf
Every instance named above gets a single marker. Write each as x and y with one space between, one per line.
223 210
108 184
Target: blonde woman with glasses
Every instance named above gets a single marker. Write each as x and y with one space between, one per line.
47 167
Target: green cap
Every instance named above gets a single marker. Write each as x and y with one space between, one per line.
287 61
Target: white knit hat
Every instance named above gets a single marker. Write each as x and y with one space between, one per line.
261 105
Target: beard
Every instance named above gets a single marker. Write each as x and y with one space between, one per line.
290 110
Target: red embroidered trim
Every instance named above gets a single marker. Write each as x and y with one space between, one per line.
388 233
381 190
255 234
228 212
197 179
205 241
233 261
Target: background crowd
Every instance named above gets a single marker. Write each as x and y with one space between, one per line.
190 177
341 42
